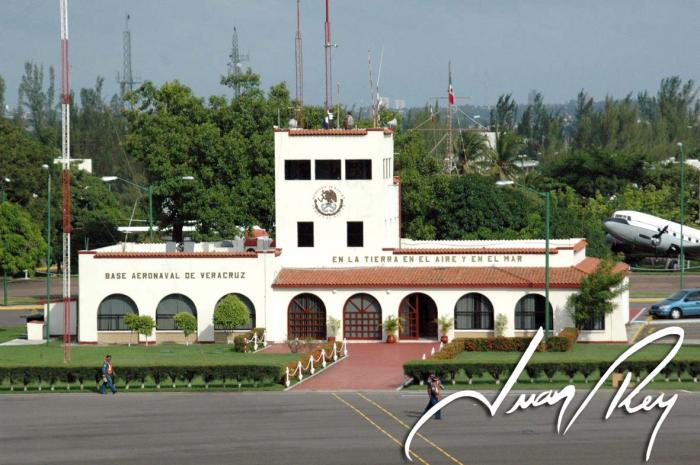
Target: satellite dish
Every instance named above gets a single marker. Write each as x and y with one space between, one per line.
393 123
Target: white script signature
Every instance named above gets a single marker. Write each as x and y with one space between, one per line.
566 394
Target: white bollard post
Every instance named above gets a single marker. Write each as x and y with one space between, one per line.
286 380
335 352
345 347
432 351
423 356
299 368
311 364
323 358
264 342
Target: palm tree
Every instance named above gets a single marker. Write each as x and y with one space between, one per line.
472 146
504 155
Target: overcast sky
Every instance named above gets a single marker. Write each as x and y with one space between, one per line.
496 46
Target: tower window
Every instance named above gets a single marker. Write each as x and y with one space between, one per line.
327 169
297 169
355 234
305 234
358 169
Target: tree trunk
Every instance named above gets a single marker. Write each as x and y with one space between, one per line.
177 232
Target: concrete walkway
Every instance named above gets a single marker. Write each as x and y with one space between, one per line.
376 366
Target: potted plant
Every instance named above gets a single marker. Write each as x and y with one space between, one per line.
392 324
445 323
333 328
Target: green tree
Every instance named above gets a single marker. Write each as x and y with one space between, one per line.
504 115
187 323
146 325
132 322
501 161
596 294
230 313
40 103
21 243
2 97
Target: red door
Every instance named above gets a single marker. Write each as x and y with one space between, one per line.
408 312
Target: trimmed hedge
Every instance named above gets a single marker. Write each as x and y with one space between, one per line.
419 370
50 376
501 344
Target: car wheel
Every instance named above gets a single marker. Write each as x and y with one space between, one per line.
676 313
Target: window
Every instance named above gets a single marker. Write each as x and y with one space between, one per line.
693 297
595 323
305 234
297 169
327 169
529 313
358 169
473 311
112 310
355 234
362 318
171 306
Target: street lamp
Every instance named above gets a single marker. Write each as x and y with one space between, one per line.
546 196
48 255
149 190
682 256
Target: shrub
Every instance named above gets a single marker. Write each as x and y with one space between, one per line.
145 326
230 313
570 333
501 324
132 322
187 323
558 344
534 371
244 342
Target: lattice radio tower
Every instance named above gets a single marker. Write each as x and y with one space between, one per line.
65 179
299 68
126 79
235 60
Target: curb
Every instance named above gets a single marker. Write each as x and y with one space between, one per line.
317 372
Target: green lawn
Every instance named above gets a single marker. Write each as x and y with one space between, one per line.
582 353
92 356
12 332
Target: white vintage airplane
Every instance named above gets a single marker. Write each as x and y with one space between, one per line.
642 235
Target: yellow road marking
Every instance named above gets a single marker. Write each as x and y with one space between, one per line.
440 449
389 435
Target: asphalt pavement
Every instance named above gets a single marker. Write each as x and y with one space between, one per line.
325 428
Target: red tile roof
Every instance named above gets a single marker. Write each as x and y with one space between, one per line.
175 255
474 251
436 277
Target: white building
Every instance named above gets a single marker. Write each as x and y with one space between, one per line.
338 252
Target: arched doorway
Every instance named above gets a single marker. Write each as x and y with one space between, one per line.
306 317
362 318
419 314
169 307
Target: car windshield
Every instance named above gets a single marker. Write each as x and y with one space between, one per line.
678 295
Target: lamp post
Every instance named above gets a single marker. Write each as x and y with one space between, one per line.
148 190
48 255
3 199
546 195
681 260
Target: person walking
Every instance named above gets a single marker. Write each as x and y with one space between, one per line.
107 376
434 386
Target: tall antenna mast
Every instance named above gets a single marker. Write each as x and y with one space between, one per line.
65 161
371 88
235 60
299 68
126 78
450 164
327 45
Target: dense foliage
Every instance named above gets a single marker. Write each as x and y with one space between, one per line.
594 157
230 313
